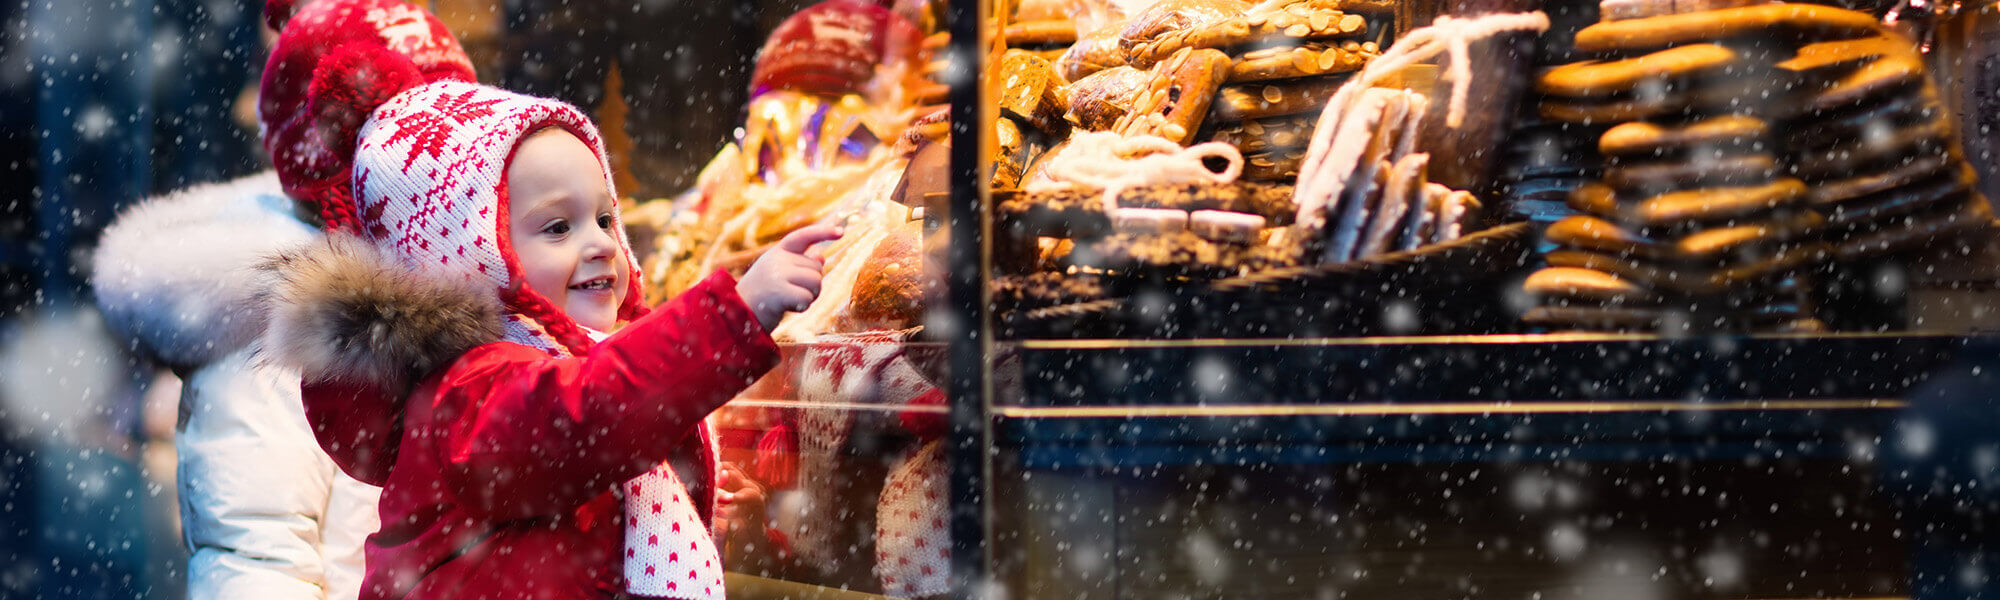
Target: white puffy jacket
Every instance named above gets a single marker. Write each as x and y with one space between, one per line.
264 511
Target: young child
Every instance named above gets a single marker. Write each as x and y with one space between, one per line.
472 338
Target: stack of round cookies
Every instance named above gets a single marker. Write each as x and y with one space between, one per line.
1879 150
1748 146
1693 224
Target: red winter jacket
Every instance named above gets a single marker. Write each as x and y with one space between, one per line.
501 484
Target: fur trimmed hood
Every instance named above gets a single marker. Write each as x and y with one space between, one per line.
177 275
345 312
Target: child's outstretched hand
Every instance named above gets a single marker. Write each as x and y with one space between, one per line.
785 279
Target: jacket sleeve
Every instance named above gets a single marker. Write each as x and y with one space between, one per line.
529 435
253 484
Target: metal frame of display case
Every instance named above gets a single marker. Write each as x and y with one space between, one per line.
970 389
1076 404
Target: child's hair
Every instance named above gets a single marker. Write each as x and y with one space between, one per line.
415 162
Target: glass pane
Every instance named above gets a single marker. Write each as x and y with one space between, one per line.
845 438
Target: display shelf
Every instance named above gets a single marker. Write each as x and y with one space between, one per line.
1460 466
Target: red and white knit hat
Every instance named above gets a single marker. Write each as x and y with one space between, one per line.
308 148
430 188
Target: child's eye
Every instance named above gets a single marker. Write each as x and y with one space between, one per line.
556 227
604 221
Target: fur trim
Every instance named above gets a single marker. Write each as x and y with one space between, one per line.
346 312
176 275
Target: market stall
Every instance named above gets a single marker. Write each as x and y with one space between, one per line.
1313 298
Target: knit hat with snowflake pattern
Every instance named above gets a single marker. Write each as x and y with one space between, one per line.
307 147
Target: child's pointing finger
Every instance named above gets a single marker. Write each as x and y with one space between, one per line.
798 241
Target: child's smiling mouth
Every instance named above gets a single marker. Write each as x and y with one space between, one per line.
595 284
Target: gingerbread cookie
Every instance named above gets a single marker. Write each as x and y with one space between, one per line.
1758 95
1835 192
1917 231
1867 119
1641 138
1933 137
1589 79
1716 204
1588 285
1619 10
1583 232
1768 20
1689 279
1937 191
1749 240
1655 177
1838 54
1892 74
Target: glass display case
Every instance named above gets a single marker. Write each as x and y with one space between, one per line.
1427 419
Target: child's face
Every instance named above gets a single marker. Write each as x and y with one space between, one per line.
560 213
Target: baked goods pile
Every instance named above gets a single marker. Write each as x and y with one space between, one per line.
1746 147
1128 204
1251 75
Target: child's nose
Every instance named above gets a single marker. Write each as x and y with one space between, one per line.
602 244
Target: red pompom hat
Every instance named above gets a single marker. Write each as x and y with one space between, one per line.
307 148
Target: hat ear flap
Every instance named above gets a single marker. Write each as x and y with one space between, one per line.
347 86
